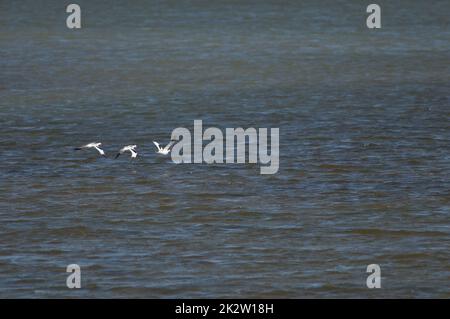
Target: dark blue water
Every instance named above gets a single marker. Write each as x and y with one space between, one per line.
364 149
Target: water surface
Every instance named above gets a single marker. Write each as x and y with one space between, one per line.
364 145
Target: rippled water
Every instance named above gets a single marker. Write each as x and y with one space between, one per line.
364 133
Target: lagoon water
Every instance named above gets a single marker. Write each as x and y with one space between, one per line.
364 149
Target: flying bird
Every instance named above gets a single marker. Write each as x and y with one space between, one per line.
128 148
92 145
166 149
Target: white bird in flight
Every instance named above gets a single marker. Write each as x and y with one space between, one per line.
92 145
128 148
166 149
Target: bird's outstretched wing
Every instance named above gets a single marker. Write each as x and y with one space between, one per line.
168 146
133 153
100 151
157 145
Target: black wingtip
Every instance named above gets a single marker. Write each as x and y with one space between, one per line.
77 148
117 156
